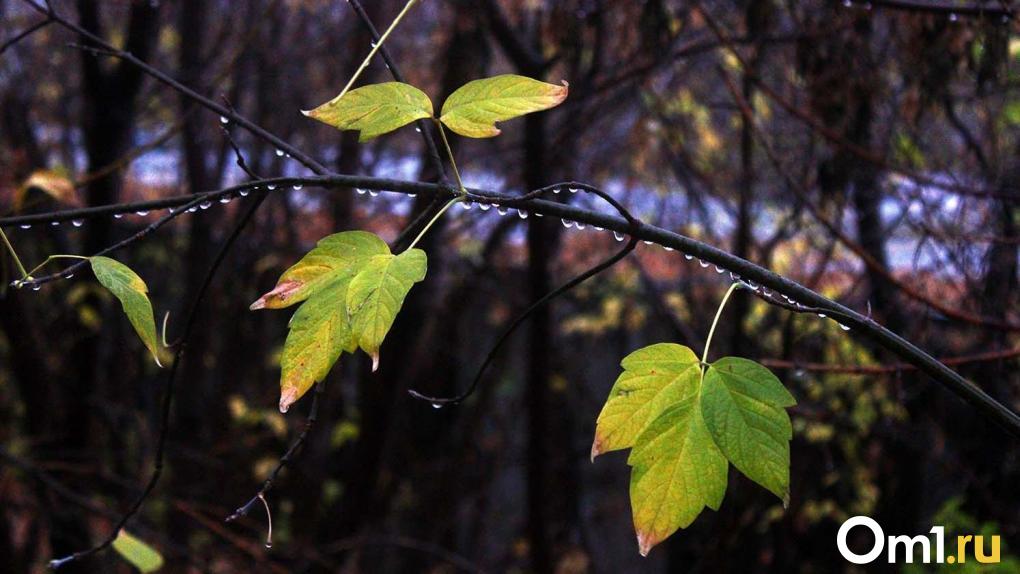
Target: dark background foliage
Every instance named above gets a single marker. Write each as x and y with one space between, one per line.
880 169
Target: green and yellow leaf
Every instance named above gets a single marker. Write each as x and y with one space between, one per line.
743 404
132 293
684 428
137 553
474 108
677 471
319 332
653 378
377 293
333 255
375 109
351 288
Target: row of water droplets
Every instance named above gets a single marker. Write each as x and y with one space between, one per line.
571 224
202 206
952 16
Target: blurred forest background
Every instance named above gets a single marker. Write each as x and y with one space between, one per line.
866 150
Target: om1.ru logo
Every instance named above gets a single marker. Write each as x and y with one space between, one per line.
910 544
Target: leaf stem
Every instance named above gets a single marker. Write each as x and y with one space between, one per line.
14 254
375 48
434 219
449 154
28 275
711 332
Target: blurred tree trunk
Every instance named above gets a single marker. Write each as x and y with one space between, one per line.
383 412
198 400
110 93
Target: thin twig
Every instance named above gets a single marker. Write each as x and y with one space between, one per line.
164 426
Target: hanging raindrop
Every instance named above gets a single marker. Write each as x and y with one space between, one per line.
205 205
224 200
298 186
702 262
77 222
26 226
437 406
243 193
373 193
579 225
360 191
55 223
502 210
270 187
192 209
844 327
522 214
279 153
574 190
141 213
485 206
646 242
618 235
465 205
688 256
118 215
567 223
224 120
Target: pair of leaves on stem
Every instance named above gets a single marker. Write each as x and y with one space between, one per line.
683 423
471 111
352 288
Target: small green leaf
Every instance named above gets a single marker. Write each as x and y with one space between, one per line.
332 255
653 378
677 471
375 109
475 107
131 291
377 293
743 406
139 554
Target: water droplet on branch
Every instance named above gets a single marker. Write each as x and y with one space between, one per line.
77 222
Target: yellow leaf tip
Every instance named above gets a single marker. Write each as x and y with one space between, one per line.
287 398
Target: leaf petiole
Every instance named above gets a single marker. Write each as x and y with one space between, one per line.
711 331
434 219
14 254
449 154
52 258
